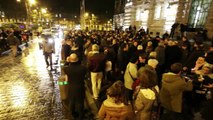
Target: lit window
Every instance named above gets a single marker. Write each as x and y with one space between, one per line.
198 13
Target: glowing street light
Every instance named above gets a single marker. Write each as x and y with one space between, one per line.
28 4
44 10
86 14
32 2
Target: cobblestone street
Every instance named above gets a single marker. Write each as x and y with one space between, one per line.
28 90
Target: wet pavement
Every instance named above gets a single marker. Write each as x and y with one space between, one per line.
29 91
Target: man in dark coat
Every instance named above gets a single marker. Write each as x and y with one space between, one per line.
174 26
76 76
66 49
190 62
122 59
172 54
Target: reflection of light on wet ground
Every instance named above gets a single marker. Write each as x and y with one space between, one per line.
35 59
27 89
20 93
1 100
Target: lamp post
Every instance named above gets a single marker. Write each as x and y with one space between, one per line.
82 14
28 4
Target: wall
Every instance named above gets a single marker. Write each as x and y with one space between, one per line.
209 22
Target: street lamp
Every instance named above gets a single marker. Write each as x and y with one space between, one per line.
28 4
86 15
44 10
32 2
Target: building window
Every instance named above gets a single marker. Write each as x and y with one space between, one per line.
198 13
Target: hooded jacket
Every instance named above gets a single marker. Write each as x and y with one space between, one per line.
173 86
144 102
111 111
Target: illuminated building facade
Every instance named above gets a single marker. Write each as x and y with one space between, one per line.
160 15
118 18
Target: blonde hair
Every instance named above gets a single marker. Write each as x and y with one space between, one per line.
153 63
95 47
153 54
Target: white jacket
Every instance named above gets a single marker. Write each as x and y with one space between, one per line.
130 69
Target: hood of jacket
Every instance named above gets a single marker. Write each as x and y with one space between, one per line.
170 78
113 109
149 94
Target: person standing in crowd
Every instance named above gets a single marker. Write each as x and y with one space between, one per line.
184 53
171 93
66 49
183 29
115 107
195 54
146 94
209 55
160 50
204 78
207 110
142 60
165 35
152 64
172 54
13 43
96 65
133 48
48 50
174 27
76 76
3 43
130 76
149 47
186 42
160 54
122 59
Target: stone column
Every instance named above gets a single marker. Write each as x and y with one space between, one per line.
151 12
183 11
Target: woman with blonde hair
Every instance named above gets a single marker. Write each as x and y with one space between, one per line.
115 107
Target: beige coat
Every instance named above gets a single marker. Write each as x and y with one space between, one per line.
112 111
143 103
172 90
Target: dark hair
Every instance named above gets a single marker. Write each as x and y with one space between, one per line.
123 45
185 38
134 59
147 77
176 67
117 91
143 55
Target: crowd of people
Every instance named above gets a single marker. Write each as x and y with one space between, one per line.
138 76
12 38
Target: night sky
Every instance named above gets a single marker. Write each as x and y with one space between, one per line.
101 8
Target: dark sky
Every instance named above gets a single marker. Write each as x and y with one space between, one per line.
102 8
